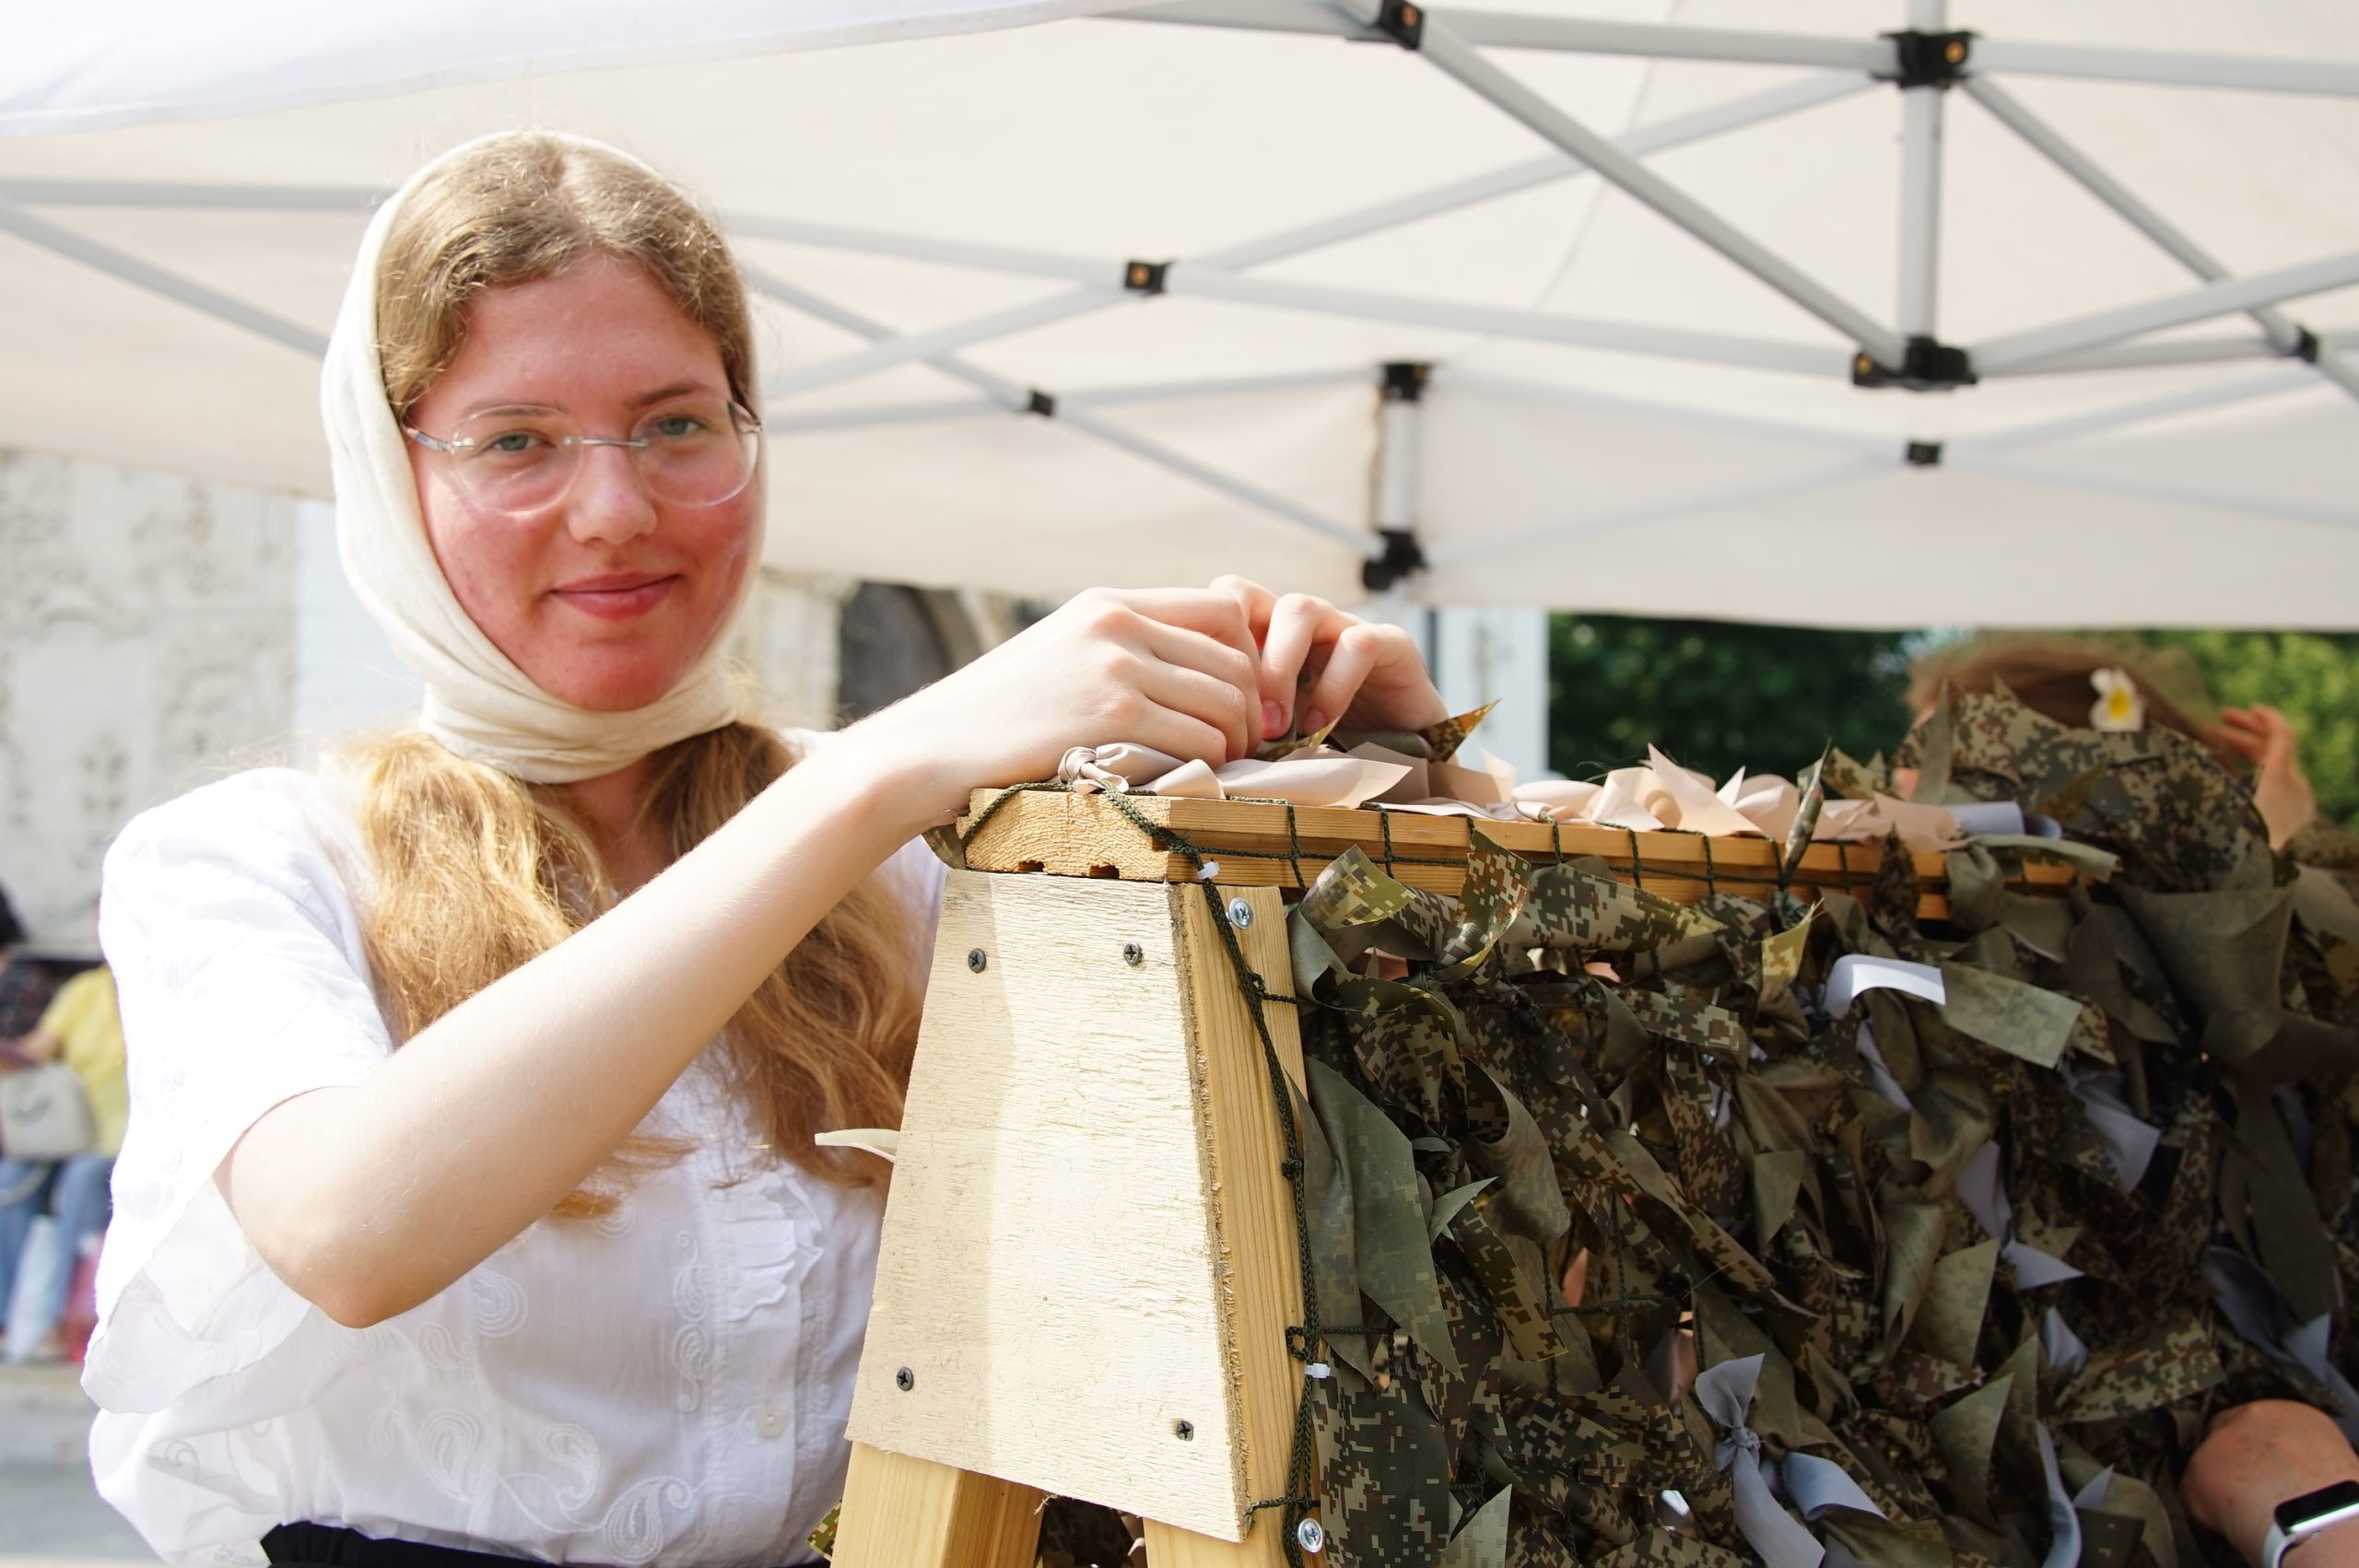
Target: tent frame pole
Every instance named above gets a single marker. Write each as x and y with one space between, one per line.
2165 68
1511 30
1206 274
1732 114
1916 311
2042 472
2043 138
186 291
2021 350
1186 279
1442 49
1708 421
1018 399
2141 356
1719 497
2285 334
2268 384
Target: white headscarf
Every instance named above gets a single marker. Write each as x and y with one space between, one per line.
479 704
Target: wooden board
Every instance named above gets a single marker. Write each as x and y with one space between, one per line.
1260 844
1072 1265
905 1513
1261 1260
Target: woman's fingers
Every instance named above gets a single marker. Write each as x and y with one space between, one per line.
1230 702
1215 615
1358 649
1214 715
1297 625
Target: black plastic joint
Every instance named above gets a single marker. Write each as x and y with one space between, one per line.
1403 557
1405 380
1405 22
1926 365
1930 59
1923 454
1041 403
2305 347
1144 278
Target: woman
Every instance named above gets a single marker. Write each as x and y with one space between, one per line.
2057 677
449 1214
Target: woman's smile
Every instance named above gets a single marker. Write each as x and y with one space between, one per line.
617 597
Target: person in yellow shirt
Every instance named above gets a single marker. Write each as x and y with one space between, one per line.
83 1030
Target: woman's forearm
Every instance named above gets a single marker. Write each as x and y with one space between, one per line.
370 1198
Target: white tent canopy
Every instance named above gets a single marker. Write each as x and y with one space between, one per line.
1053 298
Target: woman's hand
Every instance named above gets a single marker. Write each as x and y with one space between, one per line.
1174 669
2264 737
1364 673
2257 1456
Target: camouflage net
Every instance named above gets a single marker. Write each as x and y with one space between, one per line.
1963 1278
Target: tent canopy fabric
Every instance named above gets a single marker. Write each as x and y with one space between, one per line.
1056 292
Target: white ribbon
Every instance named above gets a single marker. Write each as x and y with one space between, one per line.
1725 1390
1985 1197
1856 972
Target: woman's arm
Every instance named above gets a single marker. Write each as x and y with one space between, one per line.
370 1198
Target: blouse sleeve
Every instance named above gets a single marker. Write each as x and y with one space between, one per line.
243 983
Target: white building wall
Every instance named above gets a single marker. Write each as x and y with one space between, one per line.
147 644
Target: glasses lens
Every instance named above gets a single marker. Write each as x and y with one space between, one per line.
695 454
515 461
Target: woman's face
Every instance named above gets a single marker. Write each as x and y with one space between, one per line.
606 596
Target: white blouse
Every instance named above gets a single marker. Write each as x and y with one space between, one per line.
667 1385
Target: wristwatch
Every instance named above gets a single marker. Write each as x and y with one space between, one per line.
2299 1519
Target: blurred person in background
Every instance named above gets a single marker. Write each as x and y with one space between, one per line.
2256 1455
25 985
2067 680
82 1030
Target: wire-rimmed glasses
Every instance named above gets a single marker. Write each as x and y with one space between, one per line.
691 453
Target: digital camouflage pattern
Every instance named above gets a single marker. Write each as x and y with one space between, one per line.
2146 1087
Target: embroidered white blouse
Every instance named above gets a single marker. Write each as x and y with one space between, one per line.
665 1386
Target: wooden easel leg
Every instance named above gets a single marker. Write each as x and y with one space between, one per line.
1257 1211
905 1513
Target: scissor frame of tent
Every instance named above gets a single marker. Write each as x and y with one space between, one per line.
1922 63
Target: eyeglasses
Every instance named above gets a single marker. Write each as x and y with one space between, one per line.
699 452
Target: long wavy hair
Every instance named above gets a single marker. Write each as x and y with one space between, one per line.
475 872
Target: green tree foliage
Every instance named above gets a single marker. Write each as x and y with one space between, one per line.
1717 696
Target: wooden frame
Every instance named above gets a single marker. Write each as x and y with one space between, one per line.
1089 1261
1255 843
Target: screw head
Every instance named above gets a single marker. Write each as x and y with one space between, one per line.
977 959
1865 363
1134 954
1240 913
904 1380
1185 1431
1311 1536
1955 51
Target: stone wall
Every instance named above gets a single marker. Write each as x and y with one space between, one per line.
147 642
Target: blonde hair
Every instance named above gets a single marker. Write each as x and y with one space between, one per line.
477 871
531 206
2051 674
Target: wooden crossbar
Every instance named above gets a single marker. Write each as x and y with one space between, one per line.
1265 843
